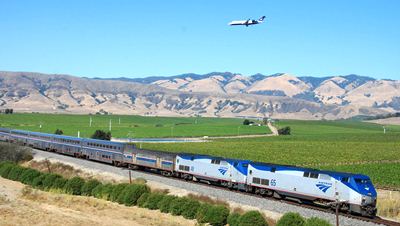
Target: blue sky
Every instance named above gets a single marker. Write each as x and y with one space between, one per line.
162 38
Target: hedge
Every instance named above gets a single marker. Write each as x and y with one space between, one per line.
29 175
59 183
217 215
5 169
315 221
165 204
233 219
103 191
74 186
176 207
38 181
88 187
49 180
190 209
132 192
153 200
291 219
15 172
142 199
252 218
116 193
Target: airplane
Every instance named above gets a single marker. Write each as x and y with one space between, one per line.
247 22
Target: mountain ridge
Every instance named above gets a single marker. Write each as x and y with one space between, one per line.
215 94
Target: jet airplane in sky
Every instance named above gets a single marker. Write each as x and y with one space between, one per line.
247 22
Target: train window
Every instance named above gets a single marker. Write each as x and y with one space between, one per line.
256 180
184 168
273 169
314 175
345 179
306 174
235 163
251 171
265 182
215 161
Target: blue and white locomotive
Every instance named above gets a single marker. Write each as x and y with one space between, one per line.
355 192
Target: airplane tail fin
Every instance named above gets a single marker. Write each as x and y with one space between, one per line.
261 19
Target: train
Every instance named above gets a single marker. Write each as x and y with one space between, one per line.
352 193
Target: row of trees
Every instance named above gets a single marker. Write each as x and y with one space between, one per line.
8 111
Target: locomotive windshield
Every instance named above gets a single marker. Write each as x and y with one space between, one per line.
362 181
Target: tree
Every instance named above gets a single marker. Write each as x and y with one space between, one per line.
246 122
59 132
284 131
101 135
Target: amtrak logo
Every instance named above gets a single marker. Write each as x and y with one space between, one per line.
223 170
323 186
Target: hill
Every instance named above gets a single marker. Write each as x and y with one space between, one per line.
213 95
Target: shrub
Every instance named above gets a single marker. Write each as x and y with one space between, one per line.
133 192
165 204
59 132
202 212
117 191
291 219
177 204
101 135
59 183
38 181
103 191
49 180
315 221
15 172
284 131
5 169
88 187
252 218
153 200
14 153
74 186
190 209
142 199
217 215
233 219
29 175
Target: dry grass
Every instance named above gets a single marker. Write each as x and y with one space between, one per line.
389 204
208 199
35 207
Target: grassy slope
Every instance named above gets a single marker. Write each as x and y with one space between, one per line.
315 143
137 126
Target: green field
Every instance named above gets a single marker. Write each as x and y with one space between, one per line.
350 146
319 144
130 126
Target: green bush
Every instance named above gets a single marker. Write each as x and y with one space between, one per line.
132 193
233 219
5 169
202 212
165 204
190 209
38 181
217 215
15 172
142 199
153 200
74 186
103 191
59 183
291 219
177 204
315 221
252 218
117 192
88 187
29 175
49 180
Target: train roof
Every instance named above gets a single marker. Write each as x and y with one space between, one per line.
212 157
291 167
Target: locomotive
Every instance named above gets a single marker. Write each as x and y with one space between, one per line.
354 193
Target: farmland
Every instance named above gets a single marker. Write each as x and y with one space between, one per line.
130 126
350 146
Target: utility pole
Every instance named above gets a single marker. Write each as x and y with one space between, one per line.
119 121
90 122
172 131
79 134
109 128
384 130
